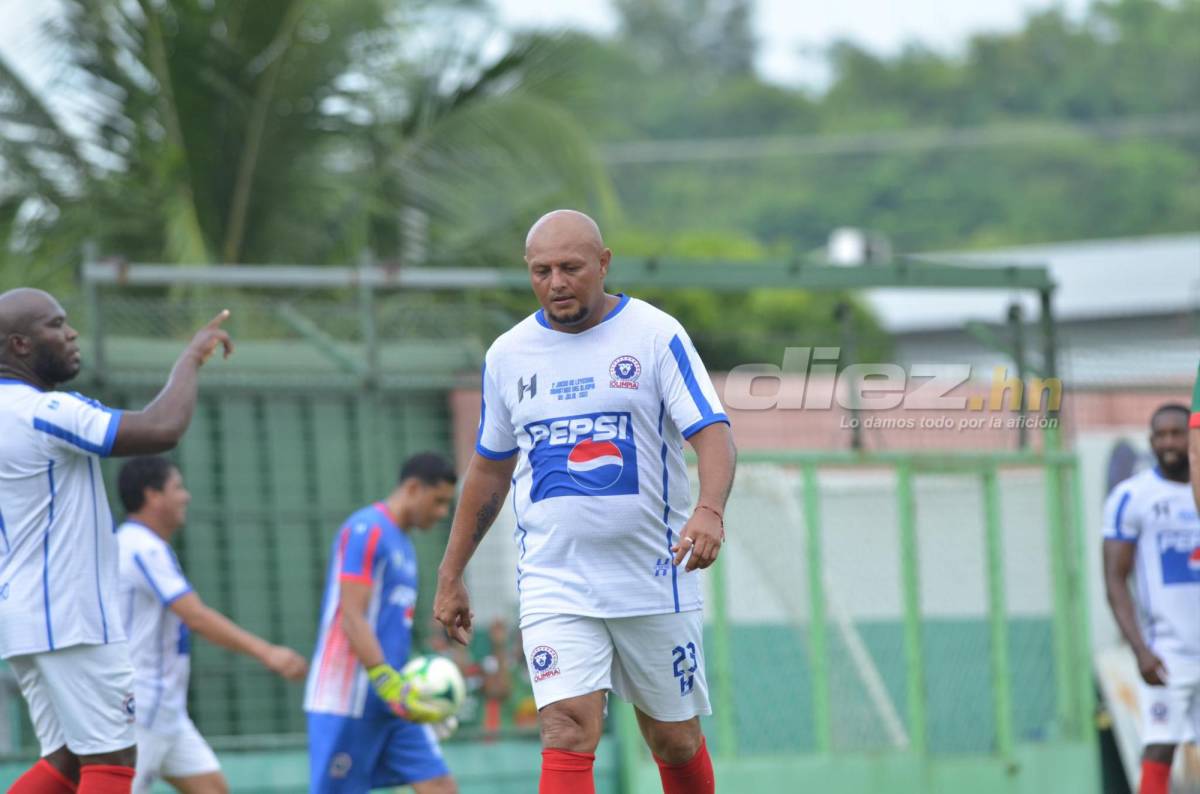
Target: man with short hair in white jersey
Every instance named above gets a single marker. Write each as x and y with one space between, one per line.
160 611
586 405
1151 530
60 624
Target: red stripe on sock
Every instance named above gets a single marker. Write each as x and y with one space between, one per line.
101 779
565 772
43 778
693 777
1156 778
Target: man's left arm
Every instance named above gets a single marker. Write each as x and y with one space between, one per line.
704 532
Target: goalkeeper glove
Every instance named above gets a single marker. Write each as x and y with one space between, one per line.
398 694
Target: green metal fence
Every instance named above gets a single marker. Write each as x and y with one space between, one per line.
897 622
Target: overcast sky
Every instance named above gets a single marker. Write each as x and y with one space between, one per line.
791 32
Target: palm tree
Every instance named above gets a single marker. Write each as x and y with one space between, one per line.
286 130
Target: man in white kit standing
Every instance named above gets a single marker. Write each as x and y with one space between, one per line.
1152 534
60 624
161 611
586 405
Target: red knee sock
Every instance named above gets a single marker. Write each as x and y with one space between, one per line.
42 778
96 779
1156 778
693 777
564 772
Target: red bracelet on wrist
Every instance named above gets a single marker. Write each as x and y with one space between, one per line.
715 512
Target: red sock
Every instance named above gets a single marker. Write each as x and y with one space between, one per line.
564 772
42 778
96 779
693 777
1156 778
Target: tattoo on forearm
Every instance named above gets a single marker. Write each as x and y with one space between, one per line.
486 515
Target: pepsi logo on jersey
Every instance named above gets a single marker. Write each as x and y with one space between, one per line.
1179 553
584 455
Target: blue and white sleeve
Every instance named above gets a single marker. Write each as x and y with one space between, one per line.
77 424
1120 519
159 574
688 393
496 439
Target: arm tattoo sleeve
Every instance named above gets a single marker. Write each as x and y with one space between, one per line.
486 515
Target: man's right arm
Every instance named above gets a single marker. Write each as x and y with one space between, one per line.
220 630
1194 442
161 424
1118 563
484 489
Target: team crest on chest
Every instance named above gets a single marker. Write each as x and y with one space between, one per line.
624 372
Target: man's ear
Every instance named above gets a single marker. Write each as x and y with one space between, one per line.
605 258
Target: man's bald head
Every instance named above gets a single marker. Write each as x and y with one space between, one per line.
567 264
37 344
21 308
564 226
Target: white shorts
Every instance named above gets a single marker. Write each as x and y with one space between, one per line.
81 697
176 755
1171 713
655 662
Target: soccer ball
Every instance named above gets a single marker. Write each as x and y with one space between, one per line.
437 685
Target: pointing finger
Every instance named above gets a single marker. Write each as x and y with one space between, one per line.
221 317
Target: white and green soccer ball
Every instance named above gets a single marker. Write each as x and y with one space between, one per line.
438 687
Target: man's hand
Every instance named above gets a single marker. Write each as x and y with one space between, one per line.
398 694
452 608
445 729
206 340
702 535
1153 671
285 662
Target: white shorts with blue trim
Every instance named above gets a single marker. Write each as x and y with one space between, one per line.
80 697
655 662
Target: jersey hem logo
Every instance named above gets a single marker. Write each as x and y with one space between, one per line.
624 371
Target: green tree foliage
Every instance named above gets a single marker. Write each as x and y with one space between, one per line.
285 130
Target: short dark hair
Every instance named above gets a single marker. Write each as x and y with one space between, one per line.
430 468
138 474
1168 408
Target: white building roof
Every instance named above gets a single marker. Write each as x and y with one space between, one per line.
1097 279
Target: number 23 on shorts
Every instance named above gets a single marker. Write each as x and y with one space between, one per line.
684 665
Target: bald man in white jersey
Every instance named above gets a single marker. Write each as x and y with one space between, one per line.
60 627
586 405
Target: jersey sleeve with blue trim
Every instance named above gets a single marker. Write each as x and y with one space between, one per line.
1121 522
74 423
495 439
687 391
360 542
160 574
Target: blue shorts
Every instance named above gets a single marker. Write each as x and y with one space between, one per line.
350 755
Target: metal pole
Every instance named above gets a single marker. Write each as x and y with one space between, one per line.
1016 323
910 579
845 317
998 617
91 297
817 643
723 663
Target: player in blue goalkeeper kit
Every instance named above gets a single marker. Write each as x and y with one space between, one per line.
363 730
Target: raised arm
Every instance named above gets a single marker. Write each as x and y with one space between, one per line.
484 489
161 424
716 458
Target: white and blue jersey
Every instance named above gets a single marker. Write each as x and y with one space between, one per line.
372 550
58 553
159 643
1159 515
601 489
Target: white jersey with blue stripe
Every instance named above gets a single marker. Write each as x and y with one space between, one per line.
58 554
1159 515
159 643
601 488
